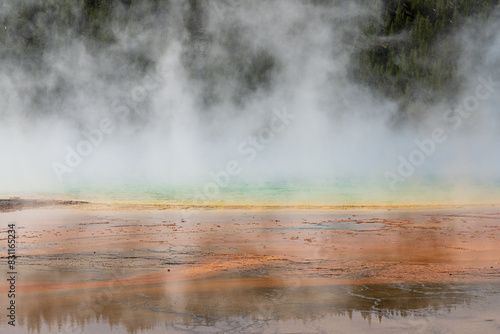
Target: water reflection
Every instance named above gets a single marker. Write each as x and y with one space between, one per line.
252 271
237 304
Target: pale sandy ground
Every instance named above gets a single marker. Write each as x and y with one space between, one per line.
150 268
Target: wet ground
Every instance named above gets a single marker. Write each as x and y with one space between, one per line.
132 269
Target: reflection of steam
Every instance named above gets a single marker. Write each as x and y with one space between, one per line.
224 280
262 305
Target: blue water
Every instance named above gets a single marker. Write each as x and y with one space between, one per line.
325 192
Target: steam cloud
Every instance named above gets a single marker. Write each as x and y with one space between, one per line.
178 94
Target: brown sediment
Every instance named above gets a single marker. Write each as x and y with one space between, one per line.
87 261
151 246
121 205
130 206
17 203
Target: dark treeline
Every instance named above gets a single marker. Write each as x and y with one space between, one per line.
407 51
417 50
33 27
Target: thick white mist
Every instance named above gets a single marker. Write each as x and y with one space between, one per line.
164 135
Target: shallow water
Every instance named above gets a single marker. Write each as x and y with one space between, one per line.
263 305
337 226
338 192
125 269
329 192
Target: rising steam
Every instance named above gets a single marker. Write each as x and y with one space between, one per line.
169 99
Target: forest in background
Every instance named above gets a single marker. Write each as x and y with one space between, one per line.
408 51
423 62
